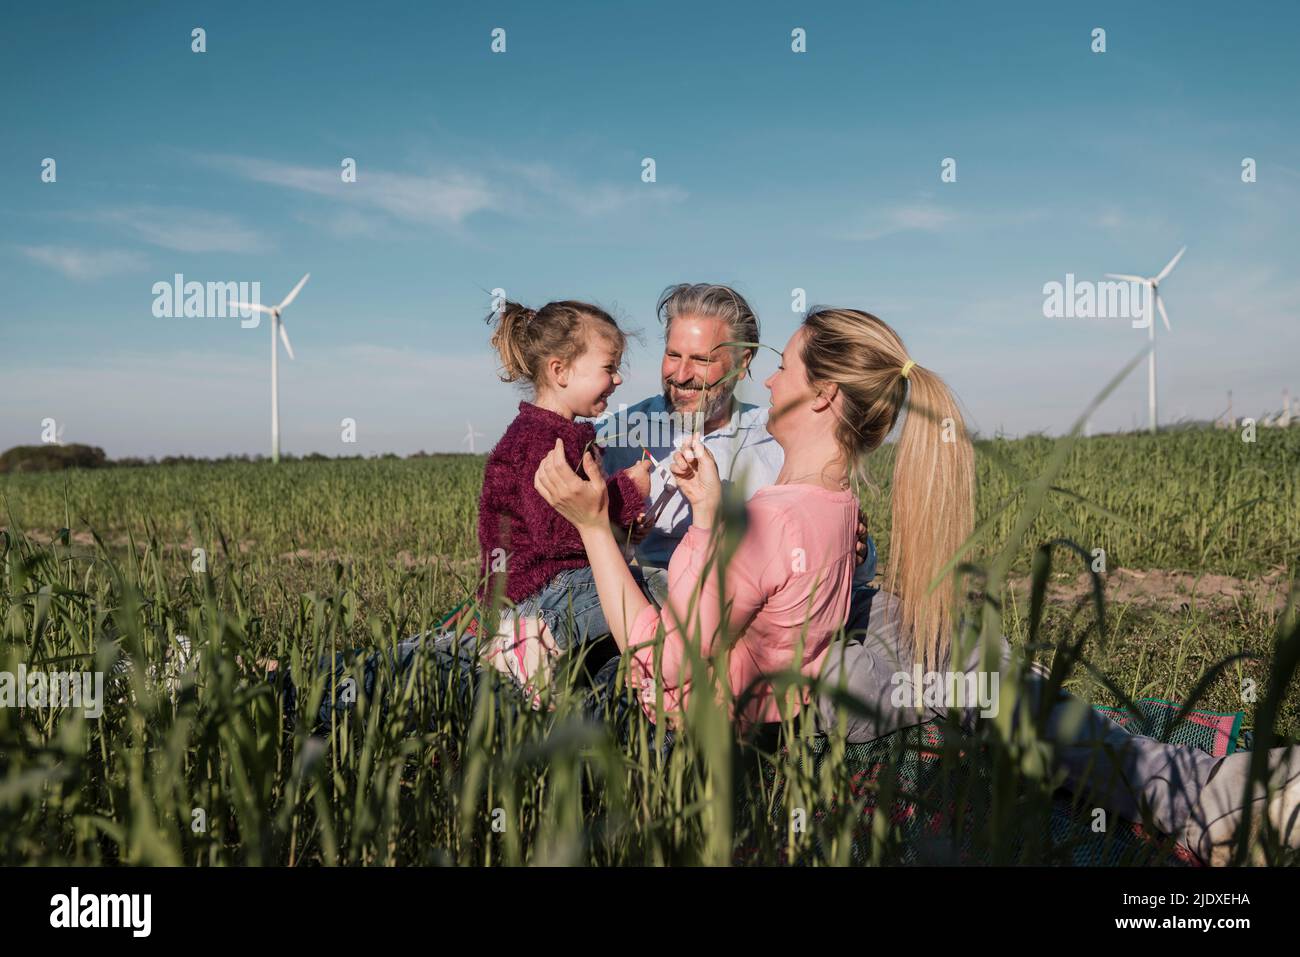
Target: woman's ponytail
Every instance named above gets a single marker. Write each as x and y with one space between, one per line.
934 464
933 513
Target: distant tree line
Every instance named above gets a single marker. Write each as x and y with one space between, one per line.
53 458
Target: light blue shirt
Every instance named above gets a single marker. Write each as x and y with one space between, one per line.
746 454
745 451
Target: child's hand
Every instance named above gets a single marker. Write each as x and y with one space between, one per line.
640 476
639 530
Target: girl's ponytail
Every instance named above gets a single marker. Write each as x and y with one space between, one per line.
511 340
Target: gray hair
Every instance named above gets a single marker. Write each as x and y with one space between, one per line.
712 301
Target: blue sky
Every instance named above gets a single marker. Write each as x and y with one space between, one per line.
522 170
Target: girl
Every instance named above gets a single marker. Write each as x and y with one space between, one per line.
844 380
568 353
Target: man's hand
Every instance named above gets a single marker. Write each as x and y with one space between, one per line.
861 547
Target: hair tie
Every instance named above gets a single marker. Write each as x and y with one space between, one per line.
907 367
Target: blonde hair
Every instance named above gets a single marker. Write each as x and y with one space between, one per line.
933 504
525 338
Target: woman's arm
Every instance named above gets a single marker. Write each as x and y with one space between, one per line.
584 503
620 597
697 613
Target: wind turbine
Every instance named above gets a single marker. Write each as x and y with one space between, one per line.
277 327
470 435
1153 299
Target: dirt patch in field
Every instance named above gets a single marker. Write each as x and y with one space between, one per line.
315 555
405 558
1170 590
45 536
410 560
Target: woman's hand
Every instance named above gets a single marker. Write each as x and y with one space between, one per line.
585 503
696 472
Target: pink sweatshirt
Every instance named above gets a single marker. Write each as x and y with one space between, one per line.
788 587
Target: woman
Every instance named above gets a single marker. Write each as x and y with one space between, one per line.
844 380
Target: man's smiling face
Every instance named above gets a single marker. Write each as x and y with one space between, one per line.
693 362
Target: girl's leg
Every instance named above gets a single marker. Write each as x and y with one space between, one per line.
570 606
452 659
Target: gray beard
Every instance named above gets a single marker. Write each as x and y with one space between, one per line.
716 404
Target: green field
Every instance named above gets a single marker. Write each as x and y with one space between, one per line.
306 558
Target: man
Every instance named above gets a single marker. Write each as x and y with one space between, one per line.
710 337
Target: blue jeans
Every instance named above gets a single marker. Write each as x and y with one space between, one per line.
570 606
455 669
452 664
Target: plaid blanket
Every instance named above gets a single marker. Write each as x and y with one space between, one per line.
923 800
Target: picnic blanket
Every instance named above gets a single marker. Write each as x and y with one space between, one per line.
925 834
914 753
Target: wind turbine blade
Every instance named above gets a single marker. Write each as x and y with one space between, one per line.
1115 275
293 293
1172 263
284 337
255 306
1160 304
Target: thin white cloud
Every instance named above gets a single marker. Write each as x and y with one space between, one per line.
921 217
543 181
184 229
351 224
448 197
442 199
85 264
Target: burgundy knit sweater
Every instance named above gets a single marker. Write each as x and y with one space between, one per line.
536 542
